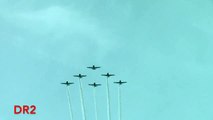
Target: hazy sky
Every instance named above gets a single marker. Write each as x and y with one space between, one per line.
162 48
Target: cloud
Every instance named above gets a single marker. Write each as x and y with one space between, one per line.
59 34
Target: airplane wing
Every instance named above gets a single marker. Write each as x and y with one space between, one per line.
83 75
112 74
64 83
124 82
103 74
90 67
91 84
117 82
98 84
76 75
97 67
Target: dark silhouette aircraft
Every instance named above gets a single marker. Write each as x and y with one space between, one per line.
108 75
67 83
93 67
95 85
80 76
120 82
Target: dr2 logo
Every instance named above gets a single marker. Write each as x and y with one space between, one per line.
25 109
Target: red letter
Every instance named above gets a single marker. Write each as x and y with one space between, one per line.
15 109
25 108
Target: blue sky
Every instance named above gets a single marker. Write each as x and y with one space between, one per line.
162 48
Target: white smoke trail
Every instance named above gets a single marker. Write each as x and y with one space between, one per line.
69 103
108 100
82 100
95 104
119 102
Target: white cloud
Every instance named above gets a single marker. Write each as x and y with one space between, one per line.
59 34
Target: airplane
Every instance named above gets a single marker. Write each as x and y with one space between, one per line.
95 85
93 67
108 75
120 82
67 83
80 76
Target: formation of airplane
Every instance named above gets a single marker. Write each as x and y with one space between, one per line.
80 76
95 85
67 83
108 75
120 82
94 67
